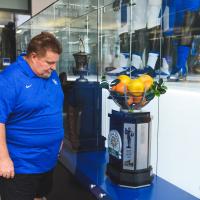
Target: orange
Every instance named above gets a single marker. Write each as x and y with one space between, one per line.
130 100
134 100
120 88
136 87
113 88
137 99
147 80
124 79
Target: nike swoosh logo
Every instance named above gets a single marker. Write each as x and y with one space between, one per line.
28 86
55 82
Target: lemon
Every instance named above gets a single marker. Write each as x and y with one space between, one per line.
136 87
147 80
124 79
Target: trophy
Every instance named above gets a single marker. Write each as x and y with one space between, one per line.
129 136
82 109
81 59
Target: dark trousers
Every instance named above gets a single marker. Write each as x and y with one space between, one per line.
26 186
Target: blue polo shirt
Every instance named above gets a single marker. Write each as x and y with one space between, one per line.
31 109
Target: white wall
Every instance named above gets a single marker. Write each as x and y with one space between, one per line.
178 115
179 137
37 5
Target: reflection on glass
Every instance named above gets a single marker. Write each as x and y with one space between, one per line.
136 37
180 28
133 37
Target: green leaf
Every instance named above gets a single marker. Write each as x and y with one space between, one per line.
160 81
164 87
150 96
104 84
114 82
162 91
153 87
155 83
103 78
157 93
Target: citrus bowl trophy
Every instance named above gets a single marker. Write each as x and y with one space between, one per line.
129 136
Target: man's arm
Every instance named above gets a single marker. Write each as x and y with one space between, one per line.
6 164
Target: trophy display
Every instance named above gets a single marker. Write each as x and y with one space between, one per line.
81 59
82 109
129 137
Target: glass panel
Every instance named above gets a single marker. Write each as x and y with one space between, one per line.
109 39
131 30
78 8
129 44
180 39
82 37
51 19
70 21
180 36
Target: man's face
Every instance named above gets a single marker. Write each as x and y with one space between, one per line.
44 65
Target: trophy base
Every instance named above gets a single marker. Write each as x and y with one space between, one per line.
135 179
82 78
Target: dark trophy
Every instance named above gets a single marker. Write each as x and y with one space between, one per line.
81 59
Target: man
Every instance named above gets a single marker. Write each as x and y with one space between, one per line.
31 126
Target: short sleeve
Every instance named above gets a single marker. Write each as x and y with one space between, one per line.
7 98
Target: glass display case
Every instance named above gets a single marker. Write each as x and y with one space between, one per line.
70 21
160 38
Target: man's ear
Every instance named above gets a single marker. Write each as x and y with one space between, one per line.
33 55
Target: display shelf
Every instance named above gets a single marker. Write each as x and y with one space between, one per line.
89 168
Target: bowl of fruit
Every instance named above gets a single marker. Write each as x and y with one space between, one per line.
133 93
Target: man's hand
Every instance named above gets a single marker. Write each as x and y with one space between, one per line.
6 168
6 164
